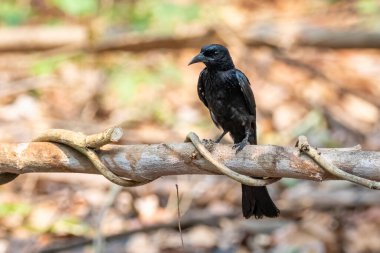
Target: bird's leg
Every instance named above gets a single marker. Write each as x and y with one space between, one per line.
221 136
239 146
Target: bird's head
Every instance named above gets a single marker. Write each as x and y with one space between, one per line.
215 57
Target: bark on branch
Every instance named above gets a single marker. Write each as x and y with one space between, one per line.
142 162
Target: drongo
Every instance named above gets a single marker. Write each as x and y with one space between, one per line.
227 93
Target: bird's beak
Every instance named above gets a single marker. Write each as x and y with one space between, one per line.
198 58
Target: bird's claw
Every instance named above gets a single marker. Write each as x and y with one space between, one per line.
239 146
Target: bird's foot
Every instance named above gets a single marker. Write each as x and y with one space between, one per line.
239 146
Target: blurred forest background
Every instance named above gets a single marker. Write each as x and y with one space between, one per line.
90 64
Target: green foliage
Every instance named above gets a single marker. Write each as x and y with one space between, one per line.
333 1
127 81
77 8
289 182
138 16
8 209
62 225
70 225
158 16
12 14
169 73
124 84
368 7
129 84
48 66
167 15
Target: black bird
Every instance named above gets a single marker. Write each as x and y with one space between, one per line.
226 92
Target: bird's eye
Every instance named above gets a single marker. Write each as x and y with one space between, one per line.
210 53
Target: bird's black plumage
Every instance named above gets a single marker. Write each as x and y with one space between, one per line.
226 92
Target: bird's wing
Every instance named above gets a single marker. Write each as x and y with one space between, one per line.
201 93
201 86
214 119
245 87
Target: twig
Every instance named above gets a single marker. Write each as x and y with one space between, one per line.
179 218
305 147
223 169
99 242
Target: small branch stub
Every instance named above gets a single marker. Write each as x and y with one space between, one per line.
110 135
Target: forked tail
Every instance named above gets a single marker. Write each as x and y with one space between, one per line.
256 201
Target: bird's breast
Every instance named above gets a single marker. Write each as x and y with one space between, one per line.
218 99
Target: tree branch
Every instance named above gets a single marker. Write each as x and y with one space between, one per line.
142 162
266 34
